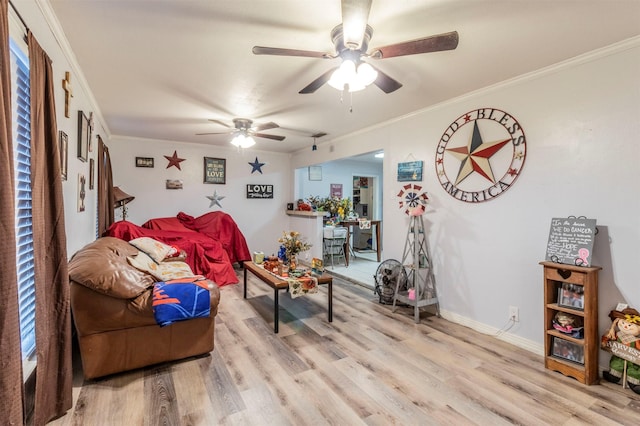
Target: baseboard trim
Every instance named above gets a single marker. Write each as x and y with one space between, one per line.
513 339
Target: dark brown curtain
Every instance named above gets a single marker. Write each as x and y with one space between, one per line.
53 318
105 189
10 354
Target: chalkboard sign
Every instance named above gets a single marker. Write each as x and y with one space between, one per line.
571 241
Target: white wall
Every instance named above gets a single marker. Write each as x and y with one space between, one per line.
581 119
261 220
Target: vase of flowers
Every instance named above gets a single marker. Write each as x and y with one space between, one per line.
292 244
338 208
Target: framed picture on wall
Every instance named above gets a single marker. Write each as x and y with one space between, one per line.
410 171
91 172
84 133
64 153
82 191
335 190
144 162
215 170
315 172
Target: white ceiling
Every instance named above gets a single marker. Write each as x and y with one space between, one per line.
162 69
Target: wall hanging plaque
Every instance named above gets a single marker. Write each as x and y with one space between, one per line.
63 147
480 155
259 191
410 171
84 133
571 240
215 170
144 162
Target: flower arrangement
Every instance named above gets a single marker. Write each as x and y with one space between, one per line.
292 244
336 206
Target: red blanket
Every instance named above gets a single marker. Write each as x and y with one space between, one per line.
205 255
217 225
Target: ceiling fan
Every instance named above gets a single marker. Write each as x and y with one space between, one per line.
244 130
351 41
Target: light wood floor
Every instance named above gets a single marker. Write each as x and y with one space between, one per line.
369 366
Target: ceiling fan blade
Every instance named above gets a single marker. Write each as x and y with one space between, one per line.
386 83
355 14
222 123
267 136
318 82
214 133
261 50
436 43
265 126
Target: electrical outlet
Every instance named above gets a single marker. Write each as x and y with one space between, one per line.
514 313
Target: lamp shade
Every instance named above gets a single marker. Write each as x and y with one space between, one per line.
120 198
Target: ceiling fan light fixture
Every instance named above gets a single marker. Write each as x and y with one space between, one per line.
343 75
242 141
366 74
353 79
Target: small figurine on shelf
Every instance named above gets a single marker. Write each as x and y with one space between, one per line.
568 324
622 341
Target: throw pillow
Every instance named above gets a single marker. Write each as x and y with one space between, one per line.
162 272
155 249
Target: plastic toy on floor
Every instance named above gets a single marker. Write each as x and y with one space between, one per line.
622 341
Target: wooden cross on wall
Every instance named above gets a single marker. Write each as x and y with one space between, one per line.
68 94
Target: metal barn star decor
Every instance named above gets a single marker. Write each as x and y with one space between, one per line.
215 199
256 166
174 160
480 155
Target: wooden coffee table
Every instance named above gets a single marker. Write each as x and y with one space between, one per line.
277 284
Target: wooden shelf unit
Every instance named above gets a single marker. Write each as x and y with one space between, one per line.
586 276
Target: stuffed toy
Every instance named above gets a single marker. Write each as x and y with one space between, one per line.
622 339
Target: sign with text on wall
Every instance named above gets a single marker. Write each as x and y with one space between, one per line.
259 191
571 240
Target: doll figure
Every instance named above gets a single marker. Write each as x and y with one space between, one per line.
625 330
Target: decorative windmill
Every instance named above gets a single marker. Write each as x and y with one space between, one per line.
412 200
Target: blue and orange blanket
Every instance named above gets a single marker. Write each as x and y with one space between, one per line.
180 299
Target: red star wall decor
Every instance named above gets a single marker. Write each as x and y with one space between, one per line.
174 160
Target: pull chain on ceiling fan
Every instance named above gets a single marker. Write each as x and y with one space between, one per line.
351 41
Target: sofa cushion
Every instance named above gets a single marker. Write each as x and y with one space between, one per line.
102 266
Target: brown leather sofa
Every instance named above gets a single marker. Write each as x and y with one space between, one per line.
113 315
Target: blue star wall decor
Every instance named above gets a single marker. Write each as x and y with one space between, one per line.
215 199
257 166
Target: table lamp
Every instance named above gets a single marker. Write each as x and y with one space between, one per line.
120 199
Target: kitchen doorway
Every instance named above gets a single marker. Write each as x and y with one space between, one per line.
361 178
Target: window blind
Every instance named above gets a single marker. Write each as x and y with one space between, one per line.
21 104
